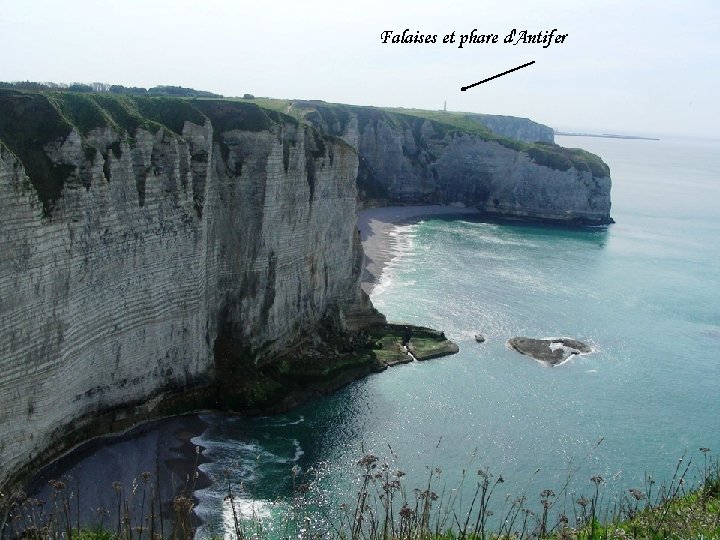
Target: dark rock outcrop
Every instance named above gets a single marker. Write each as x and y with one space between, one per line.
550 351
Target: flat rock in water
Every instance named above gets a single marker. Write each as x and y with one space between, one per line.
552 351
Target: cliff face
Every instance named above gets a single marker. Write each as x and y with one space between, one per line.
522 129
115 289
446 158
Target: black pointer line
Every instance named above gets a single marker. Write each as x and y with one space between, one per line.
496 76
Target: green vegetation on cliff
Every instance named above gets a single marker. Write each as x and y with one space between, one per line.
27 123
560 158
32 122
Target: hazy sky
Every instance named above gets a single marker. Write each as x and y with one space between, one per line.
626 66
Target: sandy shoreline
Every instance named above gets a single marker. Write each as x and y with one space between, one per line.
375 226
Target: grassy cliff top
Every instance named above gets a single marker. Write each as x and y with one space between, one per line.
29 121
22 112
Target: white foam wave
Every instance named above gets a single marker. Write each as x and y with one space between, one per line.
237 509
483 237
282 421
554 346
299 452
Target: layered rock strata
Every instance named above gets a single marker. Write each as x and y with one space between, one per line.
175 227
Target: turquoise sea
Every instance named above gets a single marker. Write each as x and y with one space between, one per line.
644 292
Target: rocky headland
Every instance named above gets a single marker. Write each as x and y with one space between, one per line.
410 157
165 255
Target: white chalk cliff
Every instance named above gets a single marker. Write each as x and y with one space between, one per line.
159 243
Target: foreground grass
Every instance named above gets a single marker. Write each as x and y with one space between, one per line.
693 515
383 509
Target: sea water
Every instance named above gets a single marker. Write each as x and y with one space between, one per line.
644 293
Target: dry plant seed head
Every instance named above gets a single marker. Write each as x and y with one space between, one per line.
182 504
639 495
57 485
704 450
582 501
145 476
406 512
597 479
547 493
367 460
